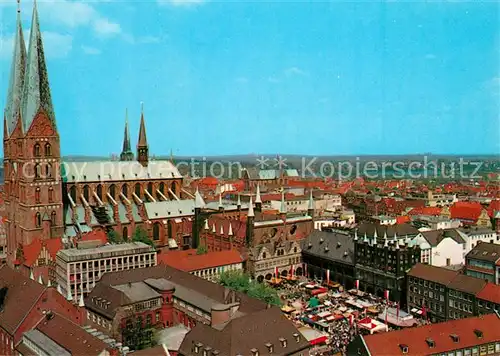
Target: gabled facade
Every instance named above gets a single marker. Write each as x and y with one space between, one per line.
32 191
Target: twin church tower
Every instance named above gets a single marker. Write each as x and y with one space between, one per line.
33 185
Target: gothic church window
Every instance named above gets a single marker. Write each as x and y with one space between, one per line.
38 220
125 190
156 231
53 218
86 193
38 171
150 188
99 191
36 150
51 194
72 193
48 150
48 171
125 233
112 191
137 190
37 195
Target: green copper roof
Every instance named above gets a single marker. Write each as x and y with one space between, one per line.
36 95
16 83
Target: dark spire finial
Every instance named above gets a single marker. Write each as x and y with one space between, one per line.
142 144
19 6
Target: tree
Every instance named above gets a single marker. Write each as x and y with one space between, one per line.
113 237
137 334
241 282
201 250
140 235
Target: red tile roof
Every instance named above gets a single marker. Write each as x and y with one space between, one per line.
403 219
425 210
493 207
32 251
490 293
189 261
415 338
22 294
95 235
71 336
466 210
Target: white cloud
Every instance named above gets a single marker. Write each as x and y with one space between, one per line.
141 40
67 13
181 2
104 27
91 50
56 45
294 71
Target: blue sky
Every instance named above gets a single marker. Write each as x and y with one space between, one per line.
270 77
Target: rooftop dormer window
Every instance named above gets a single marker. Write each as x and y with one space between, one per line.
455 338
478 333
404 348
430 342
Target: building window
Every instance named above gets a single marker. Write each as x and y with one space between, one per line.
38 220
86 193
125 190
48 150
53 218
38 171
72 193
125 233
48 170
36 150
99 191
150 188
112 191
156 231
37 195
51 194
137 190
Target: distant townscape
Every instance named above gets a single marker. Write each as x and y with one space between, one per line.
262 255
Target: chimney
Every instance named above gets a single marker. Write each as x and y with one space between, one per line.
254 352
283 342
297 337
270 348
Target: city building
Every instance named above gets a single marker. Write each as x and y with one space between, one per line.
484 262
444 247
444 294
267 177
57 335
264 332
476 235
464 337
205 265
382 258
79 269
324 251
23 303
275 259
179 298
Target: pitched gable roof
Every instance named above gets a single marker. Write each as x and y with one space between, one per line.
22 294
252 331
71 336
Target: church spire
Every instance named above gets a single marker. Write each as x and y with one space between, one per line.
36 93
142 144
16 82
127 154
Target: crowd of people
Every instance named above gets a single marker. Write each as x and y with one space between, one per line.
343 324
